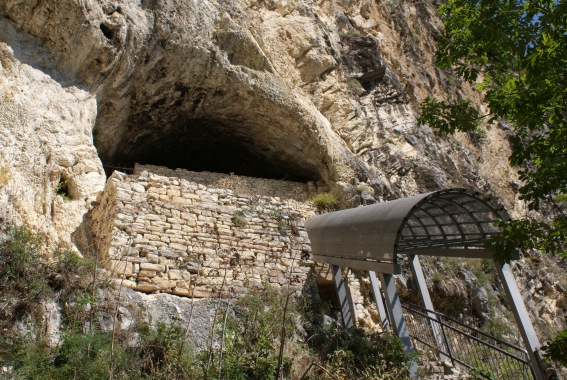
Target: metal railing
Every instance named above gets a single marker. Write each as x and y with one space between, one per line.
465 346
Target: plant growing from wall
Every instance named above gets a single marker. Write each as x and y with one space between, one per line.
363 188
283 226
325 202
239 219
62 189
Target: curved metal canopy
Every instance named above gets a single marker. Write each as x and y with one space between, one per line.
453 222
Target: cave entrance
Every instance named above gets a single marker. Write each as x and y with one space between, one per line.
215 146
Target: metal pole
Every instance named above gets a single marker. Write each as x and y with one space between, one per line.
394 306
345 299
379 300
449 351
426 299
522 317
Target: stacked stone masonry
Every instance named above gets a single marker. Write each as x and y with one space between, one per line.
241 185
175 235
204 235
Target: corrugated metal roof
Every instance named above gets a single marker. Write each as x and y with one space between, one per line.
453 222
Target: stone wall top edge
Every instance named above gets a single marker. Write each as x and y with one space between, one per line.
239 185
138 168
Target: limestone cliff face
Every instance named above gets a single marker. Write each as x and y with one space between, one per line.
46 141
306 90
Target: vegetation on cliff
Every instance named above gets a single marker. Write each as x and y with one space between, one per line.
248 331
515 53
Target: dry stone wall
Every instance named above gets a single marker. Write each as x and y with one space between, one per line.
202 234
173 235
241 185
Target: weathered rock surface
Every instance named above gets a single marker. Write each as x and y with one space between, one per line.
302 90
46 139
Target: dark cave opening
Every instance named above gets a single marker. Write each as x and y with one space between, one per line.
210 145
107 31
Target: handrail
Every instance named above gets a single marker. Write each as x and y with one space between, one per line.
502 342
471 348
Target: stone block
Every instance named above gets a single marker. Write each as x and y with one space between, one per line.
178 247
152 258
121 267
169 254
146 287
147 273
152 267
163 282
158 229
183 284
202 293
275 273
181 292
181 201
160 223
177 274
127 284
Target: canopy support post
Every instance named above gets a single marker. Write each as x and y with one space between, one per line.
379 300
527 331
394 306
345 298
426 299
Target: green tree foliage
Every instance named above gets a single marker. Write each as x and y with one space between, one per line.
558 348
515 53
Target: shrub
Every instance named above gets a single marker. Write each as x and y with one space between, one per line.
22 276
161 354
557 348
326 202
362 355
362 188
239 219
250 349
62 189
252 337
91 356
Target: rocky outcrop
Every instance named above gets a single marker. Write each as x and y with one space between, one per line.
247 75
299 90
49 168
303 90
